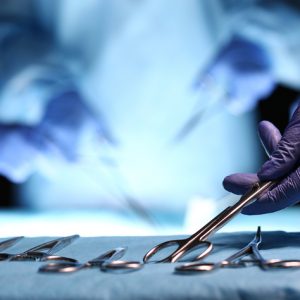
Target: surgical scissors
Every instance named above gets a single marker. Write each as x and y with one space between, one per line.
43 251
238 260
106 261
9 242
199 238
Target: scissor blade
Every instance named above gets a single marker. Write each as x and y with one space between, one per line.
10 242
53 246
228 213
110 255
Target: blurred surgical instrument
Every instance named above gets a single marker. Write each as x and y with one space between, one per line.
115 183
107 168
9 242
106 261
238 260
43 252
212 96
199 238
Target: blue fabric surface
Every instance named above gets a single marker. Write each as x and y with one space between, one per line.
20 280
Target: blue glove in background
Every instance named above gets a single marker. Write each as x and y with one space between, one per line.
284 154
25 149
66 118
243 68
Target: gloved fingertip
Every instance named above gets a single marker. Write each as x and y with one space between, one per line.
260 206
256 208
269 136
268 171
230 186
239 183
268 202
249 211
263 127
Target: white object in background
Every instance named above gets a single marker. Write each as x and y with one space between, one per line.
200 210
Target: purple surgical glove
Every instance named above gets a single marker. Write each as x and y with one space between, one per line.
243 69
284 160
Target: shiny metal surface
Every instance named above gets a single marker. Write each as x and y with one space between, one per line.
199 237
106 261
43 251
237 260
10 242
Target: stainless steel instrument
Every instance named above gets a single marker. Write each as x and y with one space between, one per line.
238 260
9 242
106 261
199 238
43 252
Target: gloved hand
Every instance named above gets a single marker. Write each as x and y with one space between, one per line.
67 120
244 69
283 163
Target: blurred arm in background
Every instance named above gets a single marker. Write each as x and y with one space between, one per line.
258 47
42 111
253 49
144 69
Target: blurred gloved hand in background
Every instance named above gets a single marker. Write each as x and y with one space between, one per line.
44 117
25 149
244 69
284 154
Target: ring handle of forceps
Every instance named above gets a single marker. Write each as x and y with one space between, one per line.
69 267
266 264
121 265
276 263
62 267
198 267
179 244
209 266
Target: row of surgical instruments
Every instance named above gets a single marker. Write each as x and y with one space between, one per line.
110 260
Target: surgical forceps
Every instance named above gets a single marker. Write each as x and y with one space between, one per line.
10 242
106 261
199 238
238 260
43 251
